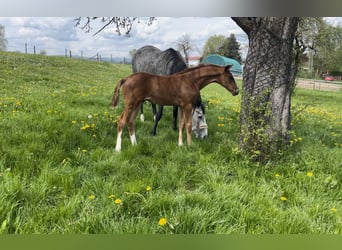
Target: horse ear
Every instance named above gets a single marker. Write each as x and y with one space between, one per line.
228 67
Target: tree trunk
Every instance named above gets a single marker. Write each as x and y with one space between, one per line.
266 96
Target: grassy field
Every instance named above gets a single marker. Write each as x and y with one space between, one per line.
59 172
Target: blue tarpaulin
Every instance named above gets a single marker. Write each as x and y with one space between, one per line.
224 61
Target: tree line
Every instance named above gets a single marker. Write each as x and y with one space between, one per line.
3 40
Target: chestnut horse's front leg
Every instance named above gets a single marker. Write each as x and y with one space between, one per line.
188 122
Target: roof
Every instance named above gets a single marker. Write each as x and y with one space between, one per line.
194 58
224 61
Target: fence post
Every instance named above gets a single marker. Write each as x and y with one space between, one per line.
70 53
25 48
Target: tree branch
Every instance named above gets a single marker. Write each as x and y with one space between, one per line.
122 24
245 23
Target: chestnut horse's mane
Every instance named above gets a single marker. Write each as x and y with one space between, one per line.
194 68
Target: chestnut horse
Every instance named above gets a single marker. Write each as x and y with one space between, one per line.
180 89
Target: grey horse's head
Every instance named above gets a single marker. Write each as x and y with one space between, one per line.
199 124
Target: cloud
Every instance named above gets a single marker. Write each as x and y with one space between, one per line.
59 29
54 35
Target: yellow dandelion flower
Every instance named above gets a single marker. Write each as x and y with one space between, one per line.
118 201
162 221
111 196
333 210
309 174
277 175
283 198
73 122
85 127
91 197
148 188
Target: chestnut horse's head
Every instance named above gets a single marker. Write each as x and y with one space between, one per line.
227 80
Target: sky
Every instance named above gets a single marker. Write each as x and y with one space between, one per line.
54 35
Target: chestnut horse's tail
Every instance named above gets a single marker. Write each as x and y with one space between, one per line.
116 95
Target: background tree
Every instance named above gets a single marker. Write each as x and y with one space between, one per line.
132 52
304 45
328 49
3 40
225 46
184 45
216 44
317 48
266 96
233 48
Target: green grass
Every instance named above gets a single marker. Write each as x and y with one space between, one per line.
59 172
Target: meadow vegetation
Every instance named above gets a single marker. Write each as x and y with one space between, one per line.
59 172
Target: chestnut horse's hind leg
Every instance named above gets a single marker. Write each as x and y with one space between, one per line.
130 122
121 123
126 118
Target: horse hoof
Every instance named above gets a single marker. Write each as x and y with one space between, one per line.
142 117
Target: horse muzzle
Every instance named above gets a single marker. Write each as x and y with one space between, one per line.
235 92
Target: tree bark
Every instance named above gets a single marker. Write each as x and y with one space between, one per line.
266 96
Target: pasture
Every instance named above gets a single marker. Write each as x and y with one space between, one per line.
59 172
